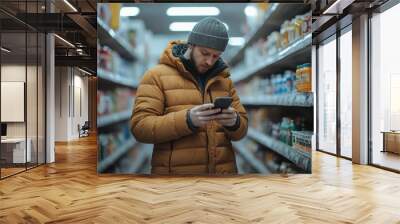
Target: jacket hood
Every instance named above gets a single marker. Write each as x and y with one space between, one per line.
176 49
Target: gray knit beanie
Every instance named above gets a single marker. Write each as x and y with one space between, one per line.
209 32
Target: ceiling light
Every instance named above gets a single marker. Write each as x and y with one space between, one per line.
186 26
250 11
236 41
5 49
70 5
65 41
193 11
84 71
181 26
129 11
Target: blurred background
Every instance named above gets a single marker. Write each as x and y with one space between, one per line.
269 52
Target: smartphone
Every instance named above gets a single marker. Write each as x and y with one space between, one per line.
222 102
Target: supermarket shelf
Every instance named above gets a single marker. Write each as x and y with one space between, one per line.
105 120
114 157
290 55
117 79
273 19
290 100
301 159
250 158
108 37
144 154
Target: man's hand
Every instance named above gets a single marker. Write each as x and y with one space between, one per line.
199 115
226 118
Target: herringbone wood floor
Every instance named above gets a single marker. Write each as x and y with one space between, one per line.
70 191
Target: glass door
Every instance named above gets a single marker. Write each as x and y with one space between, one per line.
22 68
326 79
14 153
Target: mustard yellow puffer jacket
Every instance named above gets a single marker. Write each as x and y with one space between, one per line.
165 94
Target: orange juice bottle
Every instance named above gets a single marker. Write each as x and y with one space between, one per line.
299 78
307 77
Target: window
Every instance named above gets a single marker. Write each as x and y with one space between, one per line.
346 93
385 88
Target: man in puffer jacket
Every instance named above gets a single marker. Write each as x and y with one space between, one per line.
173 106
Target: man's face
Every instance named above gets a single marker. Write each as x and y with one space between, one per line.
204 58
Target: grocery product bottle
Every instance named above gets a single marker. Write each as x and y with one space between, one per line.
289 81
297 76
275 43
283 130
288 132
280 84
293 79
284 35
291 128
273 84
306 73
299 79
115 10
298 24
268 88
285 83
291 31
275 131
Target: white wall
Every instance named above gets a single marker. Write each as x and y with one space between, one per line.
16 73
69 85
81 89
61 103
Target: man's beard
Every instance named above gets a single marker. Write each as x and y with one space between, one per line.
195 64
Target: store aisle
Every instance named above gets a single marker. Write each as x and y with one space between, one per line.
269 55
70 191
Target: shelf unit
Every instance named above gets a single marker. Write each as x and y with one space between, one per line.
117 79
299 158
289 100
240 148
298 52
274 17
110 80
108 37
106 120
116 155
289 55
